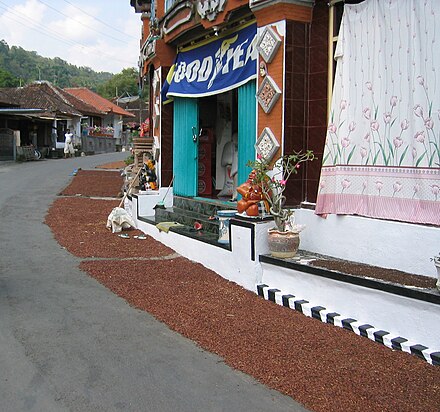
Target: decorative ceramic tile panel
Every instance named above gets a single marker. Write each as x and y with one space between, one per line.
267 145
268 44
268 94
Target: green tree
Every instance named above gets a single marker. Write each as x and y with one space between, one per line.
122 83
8 80
29 66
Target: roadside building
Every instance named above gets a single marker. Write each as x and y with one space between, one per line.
355 81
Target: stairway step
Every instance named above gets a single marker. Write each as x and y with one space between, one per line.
207 207
186 218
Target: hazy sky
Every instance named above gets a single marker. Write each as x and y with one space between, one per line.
101 34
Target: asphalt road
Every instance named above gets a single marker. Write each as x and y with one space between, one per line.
68 343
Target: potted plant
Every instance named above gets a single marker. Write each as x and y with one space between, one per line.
270 180
436 260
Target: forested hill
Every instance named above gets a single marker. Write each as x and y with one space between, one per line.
19 67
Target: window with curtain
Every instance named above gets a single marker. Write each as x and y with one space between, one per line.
382 152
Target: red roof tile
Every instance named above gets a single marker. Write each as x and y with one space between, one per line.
97 101
43 95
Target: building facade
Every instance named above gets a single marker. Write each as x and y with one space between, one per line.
232 79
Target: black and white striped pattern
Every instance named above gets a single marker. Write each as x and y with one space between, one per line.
362 329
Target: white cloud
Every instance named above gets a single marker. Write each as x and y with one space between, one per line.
17 21
75 36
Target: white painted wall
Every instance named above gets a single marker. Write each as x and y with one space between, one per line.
396 245
146 201
412 319
235 265
346 237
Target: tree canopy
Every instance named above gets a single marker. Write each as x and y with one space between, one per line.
20 67
124 83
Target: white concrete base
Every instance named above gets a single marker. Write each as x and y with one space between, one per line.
239 264
388 244
413 319
146 201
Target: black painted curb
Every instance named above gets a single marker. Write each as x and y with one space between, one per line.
334 318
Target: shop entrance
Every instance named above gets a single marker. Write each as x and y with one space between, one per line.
213 138
218 145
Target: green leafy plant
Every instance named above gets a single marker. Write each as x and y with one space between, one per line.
273 180
129 160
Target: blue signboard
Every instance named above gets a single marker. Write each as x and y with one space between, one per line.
216 67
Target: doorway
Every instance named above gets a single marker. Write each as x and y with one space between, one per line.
213 138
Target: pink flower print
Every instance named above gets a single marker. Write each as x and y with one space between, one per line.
379 185
374 125
367 137
343 104
352 126
435 189
420 137
416 189
387 118
397 187
397 142
420 79
345 142
259 157
283 182
369 85
393 101
345 184
418 110
429 123
363 152
404 124
332 128
364 186
367 113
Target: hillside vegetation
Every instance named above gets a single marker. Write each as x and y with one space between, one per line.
19 67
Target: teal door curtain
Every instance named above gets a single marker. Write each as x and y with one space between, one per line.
247 128
185 134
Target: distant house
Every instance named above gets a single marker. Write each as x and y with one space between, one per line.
39 114
111 123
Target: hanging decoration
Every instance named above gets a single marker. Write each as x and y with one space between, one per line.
382 151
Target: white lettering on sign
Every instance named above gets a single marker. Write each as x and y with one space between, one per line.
226 58
205 69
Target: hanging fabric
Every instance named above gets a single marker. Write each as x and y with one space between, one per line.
382 151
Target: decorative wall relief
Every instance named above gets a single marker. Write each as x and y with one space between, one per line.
268 94
209 9
268 44
179 15
267 145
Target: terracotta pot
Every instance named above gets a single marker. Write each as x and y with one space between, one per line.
283 244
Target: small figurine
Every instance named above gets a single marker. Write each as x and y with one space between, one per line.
148 177
251 194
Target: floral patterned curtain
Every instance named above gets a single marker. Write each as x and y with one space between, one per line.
382 152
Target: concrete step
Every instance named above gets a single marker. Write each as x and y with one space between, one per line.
187 218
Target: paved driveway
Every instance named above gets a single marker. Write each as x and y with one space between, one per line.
67 343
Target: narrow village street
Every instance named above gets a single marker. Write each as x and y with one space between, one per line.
69 343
